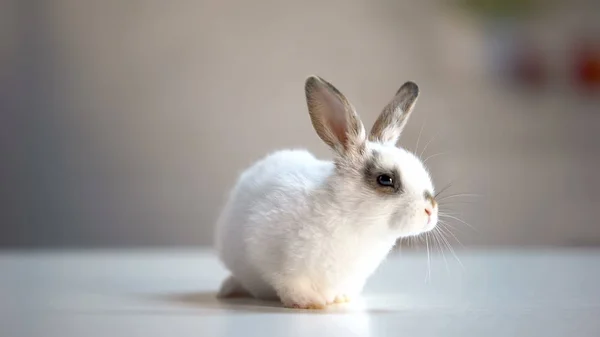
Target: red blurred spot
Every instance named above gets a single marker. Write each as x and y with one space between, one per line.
587 66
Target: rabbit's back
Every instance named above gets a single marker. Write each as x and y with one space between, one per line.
269 199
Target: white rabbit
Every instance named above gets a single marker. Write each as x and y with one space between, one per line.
310 232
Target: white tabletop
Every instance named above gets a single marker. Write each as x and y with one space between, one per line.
171 293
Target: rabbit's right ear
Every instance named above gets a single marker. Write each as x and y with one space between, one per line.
393 118
333 117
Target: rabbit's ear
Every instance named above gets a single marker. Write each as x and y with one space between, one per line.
333 117
393 118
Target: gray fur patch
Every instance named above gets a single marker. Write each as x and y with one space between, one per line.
373 169
428 196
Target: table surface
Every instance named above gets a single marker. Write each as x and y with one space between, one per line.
171 293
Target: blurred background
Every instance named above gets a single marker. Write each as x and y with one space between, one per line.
125 123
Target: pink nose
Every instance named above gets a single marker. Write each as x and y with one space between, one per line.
428 211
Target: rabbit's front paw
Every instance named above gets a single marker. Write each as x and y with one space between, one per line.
342 299
300 295
309 306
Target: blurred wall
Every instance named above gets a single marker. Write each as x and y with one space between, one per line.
125 123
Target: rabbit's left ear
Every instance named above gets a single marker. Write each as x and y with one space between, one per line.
393 118
333 117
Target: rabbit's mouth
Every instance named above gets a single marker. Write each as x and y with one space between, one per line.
431 223
427 225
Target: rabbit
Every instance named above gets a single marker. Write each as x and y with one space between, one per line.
309 232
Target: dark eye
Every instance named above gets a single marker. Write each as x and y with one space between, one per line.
385 180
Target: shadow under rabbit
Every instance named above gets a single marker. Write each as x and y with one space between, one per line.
210 301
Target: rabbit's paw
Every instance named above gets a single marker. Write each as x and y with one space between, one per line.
300 294
342 298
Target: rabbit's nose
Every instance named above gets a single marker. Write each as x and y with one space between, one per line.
428 211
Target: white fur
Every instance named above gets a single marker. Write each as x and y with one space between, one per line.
293 230
310 232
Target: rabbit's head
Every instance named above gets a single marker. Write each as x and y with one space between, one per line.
374 179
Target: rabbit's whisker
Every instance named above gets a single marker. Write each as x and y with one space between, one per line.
426 145
419 138
459 195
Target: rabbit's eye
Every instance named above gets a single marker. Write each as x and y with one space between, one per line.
385 180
